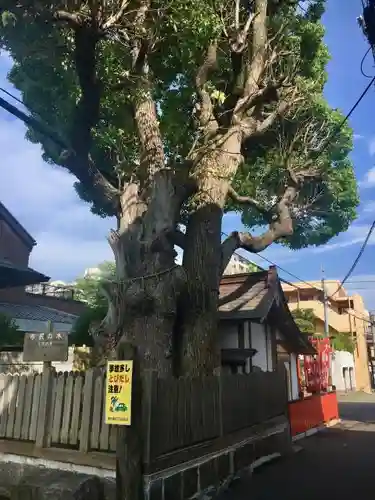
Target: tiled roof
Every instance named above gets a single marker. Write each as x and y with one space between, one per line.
36 313
259 296
16 226
245 293
13 275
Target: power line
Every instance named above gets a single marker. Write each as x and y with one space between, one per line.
346 118
43 129
363 288
291 274
360 253
12 96
33 123
306 283
363 61
325 145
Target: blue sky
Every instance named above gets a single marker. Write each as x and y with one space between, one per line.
71 239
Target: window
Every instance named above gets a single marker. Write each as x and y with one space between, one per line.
306 295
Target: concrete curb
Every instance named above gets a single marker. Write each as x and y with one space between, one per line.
311 432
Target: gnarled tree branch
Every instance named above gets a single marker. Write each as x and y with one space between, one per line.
255 67
77 158
116 17
73 19
281 226
246 200
204 109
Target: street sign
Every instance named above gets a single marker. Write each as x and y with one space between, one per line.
118 394
51 346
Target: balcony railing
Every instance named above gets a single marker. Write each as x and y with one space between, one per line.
62 292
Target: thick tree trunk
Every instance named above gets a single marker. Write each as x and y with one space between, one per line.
202 262
142 297
142 310
198 304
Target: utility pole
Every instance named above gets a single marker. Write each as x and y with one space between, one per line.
325 304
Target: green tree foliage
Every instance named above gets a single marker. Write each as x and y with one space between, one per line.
10 335
305 319
343 342
89 289
253 268
175 113
45 74
326 205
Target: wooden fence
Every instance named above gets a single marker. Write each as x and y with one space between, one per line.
67 409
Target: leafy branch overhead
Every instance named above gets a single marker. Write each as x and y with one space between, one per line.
257 73
173 113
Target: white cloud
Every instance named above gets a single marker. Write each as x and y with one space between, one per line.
371 146
69 238
66 256
356 234
358 137
369 179
369 207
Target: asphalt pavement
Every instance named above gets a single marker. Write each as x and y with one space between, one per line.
336 463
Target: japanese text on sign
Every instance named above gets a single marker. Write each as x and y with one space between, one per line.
45 339
118 392
50 346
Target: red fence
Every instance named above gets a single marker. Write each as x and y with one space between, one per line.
312 412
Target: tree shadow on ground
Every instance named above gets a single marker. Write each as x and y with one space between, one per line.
335 463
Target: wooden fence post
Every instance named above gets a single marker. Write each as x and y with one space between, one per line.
43 430
84 433
129 445
220 391
149 397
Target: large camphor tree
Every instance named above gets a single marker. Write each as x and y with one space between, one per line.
174 112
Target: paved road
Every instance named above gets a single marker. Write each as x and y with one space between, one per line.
357 406
336 463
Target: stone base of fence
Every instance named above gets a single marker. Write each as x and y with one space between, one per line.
21 466
208 474
27 482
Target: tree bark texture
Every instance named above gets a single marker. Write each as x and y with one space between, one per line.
142 297
202 260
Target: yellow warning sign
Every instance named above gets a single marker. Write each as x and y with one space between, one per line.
118 394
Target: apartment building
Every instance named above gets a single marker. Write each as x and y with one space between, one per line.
346 314
240 265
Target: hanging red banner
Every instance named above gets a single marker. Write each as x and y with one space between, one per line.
317 367
325 351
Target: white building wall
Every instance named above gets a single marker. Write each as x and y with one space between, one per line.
254 336
294 376
343 371
259 342
292 372
270 366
